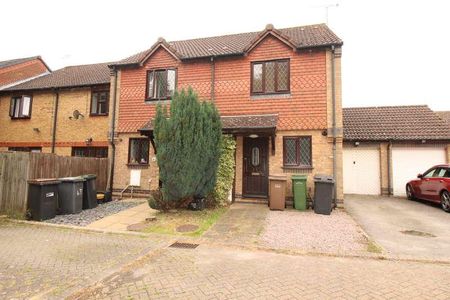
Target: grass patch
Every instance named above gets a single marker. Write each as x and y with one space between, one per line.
167 223
372 247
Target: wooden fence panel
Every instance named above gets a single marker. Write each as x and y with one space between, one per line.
16 168
13 182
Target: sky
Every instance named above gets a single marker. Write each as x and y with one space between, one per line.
394 53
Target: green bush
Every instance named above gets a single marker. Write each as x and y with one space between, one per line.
187 140
225 172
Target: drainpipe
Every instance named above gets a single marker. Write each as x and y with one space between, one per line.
55 117
111 137
213 75
389 153
333 125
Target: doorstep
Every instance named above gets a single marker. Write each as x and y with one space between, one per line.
123 219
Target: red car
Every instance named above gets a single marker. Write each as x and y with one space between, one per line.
433 185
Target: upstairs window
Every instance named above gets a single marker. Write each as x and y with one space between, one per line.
297 152
20 107
270 77
161 84
138 151
99 103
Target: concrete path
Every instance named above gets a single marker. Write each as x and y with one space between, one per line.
404 228
123 219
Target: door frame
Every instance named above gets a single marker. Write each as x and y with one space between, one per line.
244 183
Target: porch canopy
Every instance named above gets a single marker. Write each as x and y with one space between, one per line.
243 125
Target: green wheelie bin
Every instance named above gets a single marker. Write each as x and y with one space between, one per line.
299 191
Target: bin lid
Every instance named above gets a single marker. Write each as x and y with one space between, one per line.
277 177
299 177
44 181
89 176
71 179
323 178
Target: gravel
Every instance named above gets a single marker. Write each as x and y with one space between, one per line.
336 233
88 216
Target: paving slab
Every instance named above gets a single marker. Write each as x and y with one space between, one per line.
125 218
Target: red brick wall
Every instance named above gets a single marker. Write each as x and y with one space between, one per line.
21 71
305 108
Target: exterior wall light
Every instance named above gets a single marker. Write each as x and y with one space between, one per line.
253 136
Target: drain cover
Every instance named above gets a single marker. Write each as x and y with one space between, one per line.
417 233
184 245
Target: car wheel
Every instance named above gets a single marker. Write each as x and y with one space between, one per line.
409 192
445 201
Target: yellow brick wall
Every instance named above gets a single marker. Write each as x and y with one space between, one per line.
448 153
70 129
21 130
69 132
384 168
122 170
322 160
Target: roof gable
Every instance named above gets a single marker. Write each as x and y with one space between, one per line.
269 31
160 44
8 63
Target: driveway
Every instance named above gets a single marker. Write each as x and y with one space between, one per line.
405 229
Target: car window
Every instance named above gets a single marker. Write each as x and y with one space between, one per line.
447 174
440 172
430 173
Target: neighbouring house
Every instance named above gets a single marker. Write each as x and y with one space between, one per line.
64 112
16 71
385 147
278 92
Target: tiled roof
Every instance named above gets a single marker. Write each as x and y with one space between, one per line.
236 44
444 115
238 122
12 62
385 123
72 76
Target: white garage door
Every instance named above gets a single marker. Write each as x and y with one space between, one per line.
361 171
408 162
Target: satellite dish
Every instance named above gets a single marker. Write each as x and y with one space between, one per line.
76 114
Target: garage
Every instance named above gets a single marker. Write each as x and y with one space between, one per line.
361 171
386 146
408 161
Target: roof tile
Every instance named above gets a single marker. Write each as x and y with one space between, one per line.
73 76
235 44
415 122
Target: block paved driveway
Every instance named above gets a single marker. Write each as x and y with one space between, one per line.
404 228
50 262
46 262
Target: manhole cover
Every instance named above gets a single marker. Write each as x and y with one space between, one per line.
184 245
187 228
137 227
417 233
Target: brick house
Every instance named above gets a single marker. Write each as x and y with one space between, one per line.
64 112
278 92
385 147
15 71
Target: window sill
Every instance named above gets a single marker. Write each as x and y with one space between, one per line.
98 115
20 118
138 166
270 96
